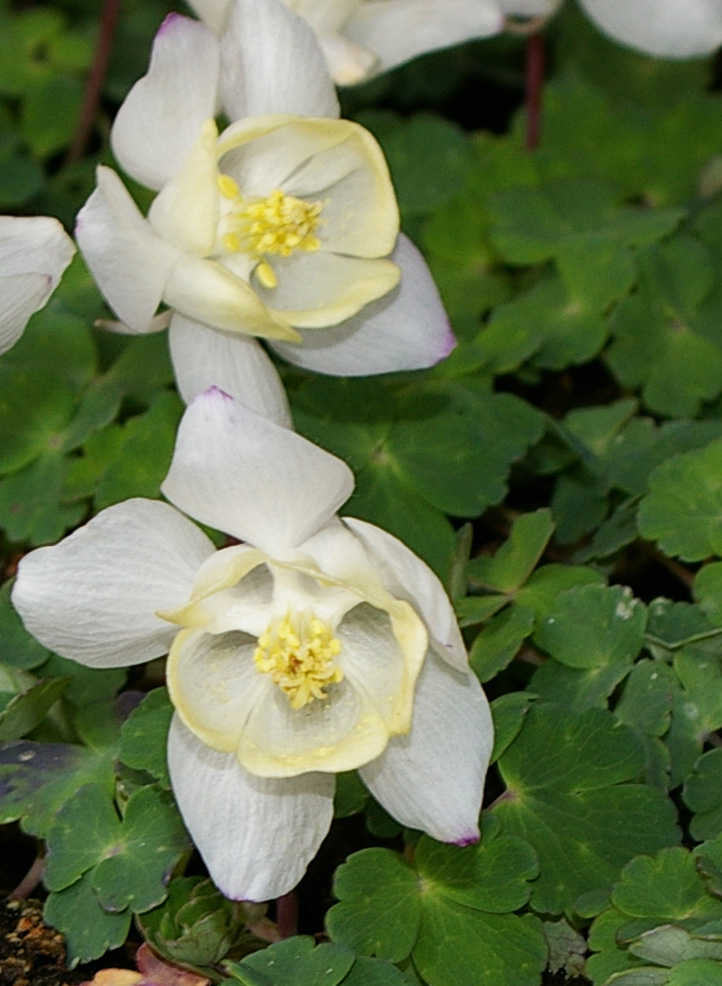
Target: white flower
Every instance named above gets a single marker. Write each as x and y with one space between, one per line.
363 38
34 252
284 227
664 28
316 645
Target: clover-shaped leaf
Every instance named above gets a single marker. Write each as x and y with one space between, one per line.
569 794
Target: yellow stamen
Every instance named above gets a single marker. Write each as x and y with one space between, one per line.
278 224
298 653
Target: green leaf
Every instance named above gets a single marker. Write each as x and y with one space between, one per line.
592 626
497 644
574 802
508 712
89 931
35 406
295 962
37 779
24 712
379 909
144 736
516 559
682 509
130 859
703 795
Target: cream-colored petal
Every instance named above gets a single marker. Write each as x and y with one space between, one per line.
360 216
407 329
256 835
34 245
317 290
238 365
205 291
348 63
130 262
433 778
186 211
162 115
338 733
273 63
213 12
406 576
261 152
215 685
245 475
93 597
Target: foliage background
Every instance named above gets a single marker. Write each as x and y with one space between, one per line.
561 471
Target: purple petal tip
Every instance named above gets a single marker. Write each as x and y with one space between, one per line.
467 840
169 21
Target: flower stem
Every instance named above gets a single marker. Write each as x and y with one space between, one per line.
96 80
287 914
534 88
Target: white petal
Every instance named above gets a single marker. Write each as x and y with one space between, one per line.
665 28
272 63
347 62
185 211
34 245
407 577
234 363
162 115
21 294
238 472
256 835
407 329
213 12
529 8
206 291
399 30
128 260
93 597
433 778
318 290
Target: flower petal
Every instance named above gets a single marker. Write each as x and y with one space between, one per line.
339 733
317 290
256 835
213 12
432 779
207 292
128 260
161 117
185 211
93 597
406 576
22 294
665 28
236 364
245 475
396 32
407 329
272 63
347 62
34 245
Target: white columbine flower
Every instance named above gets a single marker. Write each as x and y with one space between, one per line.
283 227
34 252
664 28
317 645
362 38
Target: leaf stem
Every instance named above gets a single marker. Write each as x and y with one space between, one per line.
96 80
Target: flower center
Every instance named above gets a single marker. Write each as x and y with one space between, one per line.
278 224
298 654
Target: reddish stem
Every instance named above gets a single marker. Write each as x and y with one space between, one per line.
96 80
534 88
30 881
287 914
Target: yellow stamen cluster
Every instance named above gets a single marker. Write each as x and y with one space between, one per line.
278 224
298 653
